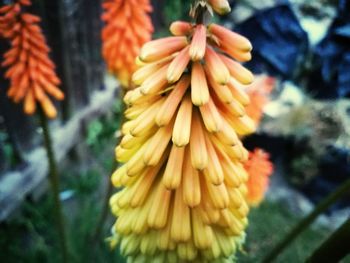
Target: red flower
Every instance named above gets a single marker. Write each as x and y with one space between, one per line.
30 70
128 26
259 92
259 169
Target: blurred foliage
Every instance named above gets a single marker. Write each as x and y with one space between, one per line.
31 237
7 154
268 224
176 10
100 131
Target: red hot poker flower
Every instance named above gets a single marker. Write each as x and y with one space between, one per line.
30 70
128 26
259 169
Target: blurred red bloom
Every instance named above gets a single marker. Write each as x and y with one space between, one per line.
259 168
31 72
127 27
259 92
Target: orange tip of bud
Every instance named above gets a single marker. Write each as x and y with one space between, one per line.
199 41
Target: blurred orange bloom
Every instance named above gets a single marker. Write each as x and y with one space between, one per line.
128 26
259 168
259 92
31 72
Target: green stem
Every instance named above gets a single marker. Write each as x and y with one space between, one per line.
109 190
54 181
304 223
335 248
104 213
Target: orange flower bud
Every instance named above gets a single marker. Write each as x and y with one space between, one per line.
198 43
237 71
178 65
199 86
180 28
229 38
216 67
158 49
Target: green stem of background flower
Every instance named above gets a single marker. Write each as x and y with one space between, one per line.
306 222
105 206
54 181
335 248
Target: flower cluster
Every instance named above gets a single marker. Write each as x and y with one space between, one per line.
259 168
128 26
31 72
184 195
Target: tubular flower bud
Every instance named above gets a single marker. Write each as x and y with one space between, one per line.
259 169
259 93
183 179
120 43
198 43
30 70
180 28
231 43
221 7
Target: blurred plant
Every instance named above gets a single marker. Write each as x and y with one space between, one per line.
259 169
183 176
7 152
258 166
31 72
127 27
336 247
174 10
295 231
103 129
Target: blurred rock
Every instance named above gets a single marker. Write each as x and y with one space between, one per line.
290 96
330 77
245 9
278 39
317 154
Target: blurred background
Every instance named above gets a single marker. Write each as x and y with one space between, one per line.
302 51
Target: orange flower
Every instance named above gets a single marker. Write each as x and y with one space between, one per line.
128 26
31 72
259 96
259 169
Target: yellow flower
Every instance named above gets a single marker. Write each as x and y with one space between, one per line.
184 183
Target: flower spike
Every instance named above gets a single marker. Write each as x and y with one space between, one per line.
184 183
259 169
30 70
120 43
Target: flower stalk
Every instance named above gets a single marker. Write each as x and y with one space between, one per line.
335 248
54 182
307 221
